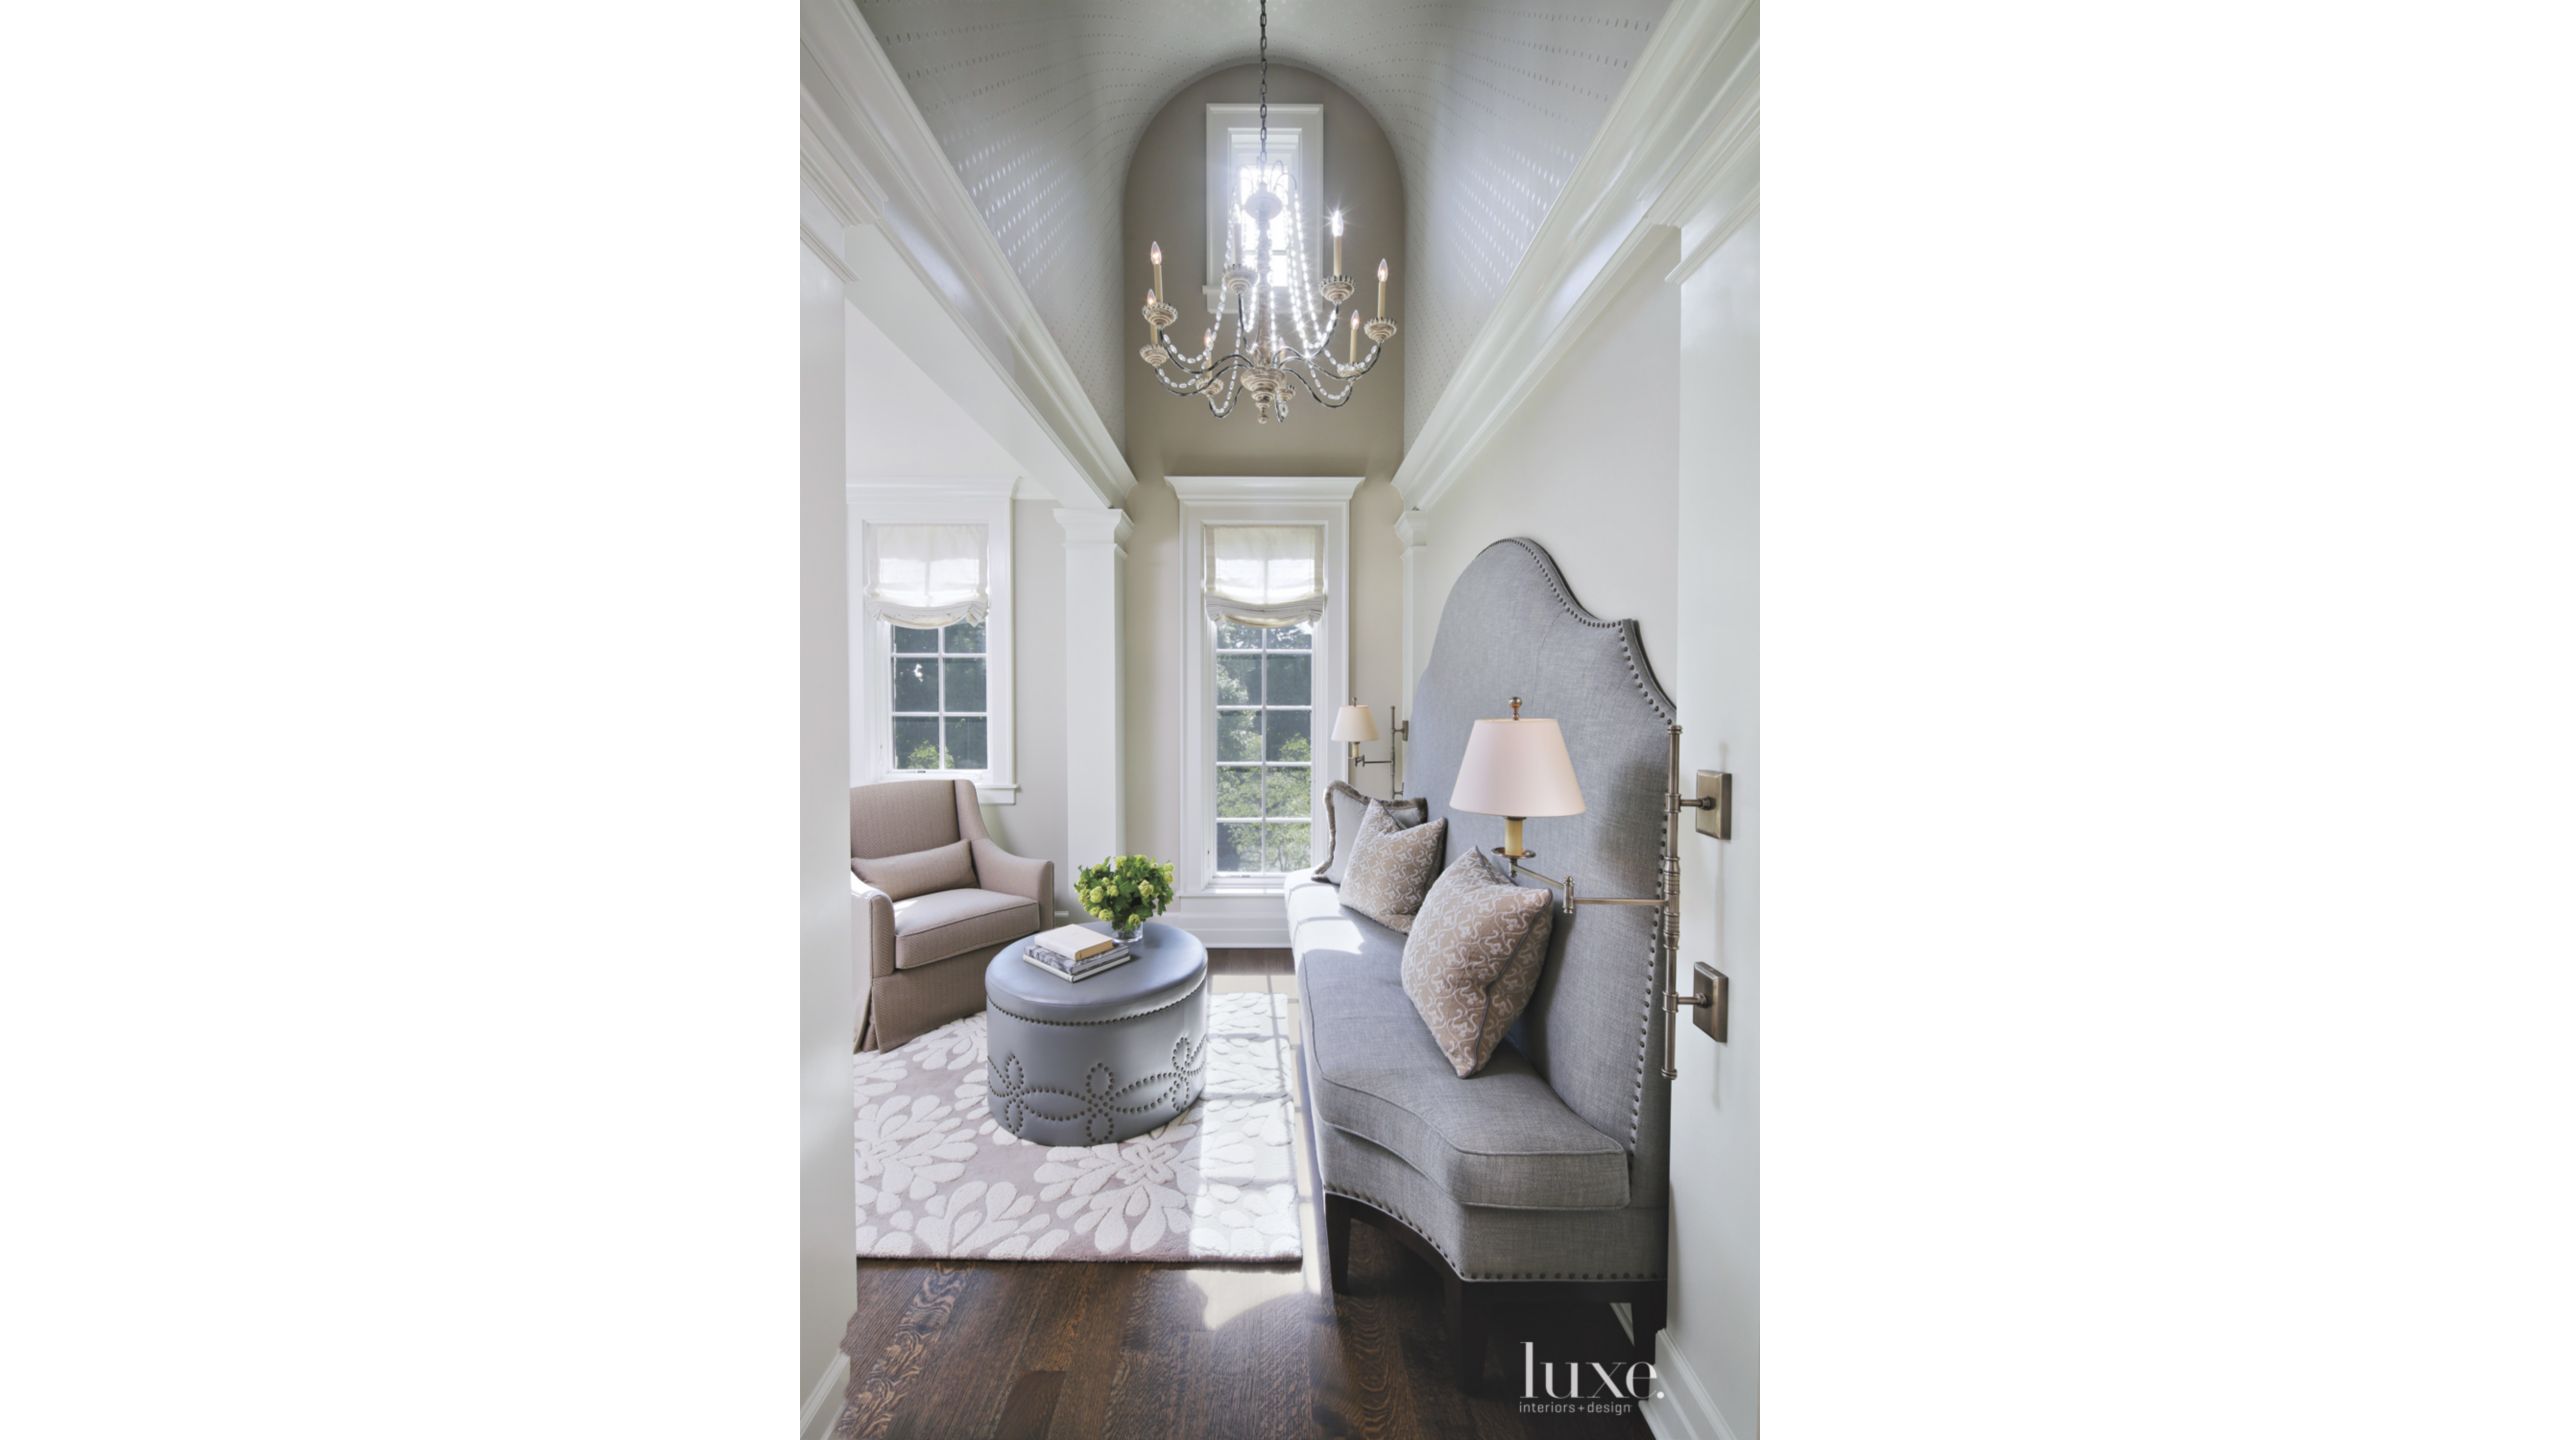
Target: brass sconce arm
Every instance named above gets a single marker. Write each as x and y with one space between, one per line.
1714 804
1397 730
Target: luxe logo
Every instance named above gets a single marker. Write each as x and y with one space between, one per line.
1599 1381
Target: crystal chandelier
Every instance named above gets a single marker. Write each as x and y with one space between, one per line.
1277 351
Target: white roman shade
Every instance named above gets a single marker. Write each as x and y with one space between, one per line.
926 576
1271 576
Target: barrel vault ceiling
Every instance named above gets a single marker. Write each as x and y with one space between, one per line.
1039 104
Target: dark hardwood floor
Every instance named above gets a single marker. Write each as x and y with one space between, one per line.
1166 1352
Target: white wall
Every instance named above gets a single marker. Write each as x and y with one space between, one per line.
1586 468
1715 1155
1636 464
1035 824
831 990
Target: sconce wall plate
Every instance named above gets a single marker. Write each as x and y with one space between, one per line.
1715 805
1709 1011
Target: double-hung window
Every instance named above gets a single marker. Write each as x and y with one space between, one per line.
1266 747
1268 656
933 636
938 697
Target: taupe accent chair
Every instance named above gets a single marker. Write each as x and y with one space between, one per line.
934 900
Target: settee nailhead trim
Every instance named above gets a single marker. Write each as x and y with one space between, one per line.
1637 670
1383 1208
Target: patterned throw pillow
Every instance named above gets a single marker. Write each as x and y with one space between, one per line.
1344 808
1389 869
1473 960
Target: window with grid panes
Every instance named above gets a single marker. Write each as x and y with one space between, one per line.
1264 694
938 698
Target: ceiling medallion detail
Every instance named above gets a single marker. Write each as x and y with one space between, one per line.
1262 363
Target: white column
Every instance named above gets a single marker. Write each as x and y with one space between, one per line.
1715 1169
832 986
1413 532
1093 719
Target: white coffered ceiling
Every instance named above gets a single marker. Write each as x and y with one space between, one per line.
1038 104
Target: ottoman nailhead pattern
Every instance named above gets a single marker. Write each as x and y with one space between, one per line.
1099 1104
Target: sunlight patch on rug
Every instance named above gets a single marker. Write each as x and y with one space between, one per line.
936 1177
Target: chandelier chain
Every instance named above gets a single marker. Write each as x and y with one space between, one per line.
1265 159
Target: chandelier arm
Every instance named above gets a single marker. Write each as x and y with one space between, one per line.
1200 380
1354 372
1331 399
1219 408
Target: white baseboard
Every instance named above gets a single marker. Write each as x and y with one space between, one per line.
1683 1410
818 1413
1227 923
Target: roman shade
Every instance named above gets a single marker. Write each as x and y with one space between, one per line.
1268 576
925 576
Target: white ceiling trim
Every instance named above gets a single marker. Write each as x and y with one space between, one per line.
870 142
1486 108
1687 118
1331 489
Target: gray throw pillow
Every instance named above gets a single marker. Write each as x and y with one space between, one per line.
920 872
1390 867
1344 808
1474 956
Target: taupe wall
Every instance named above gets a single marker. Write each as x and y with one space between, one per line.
1167 434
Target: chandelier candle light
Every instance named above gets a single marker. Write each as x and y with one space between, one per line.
1263 360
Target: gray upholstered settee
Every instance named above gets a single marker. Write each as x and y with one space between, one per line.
1545 1176
934 899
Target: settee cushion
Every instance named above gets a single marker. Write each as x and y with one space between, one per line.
954 922
1500 1138
920 872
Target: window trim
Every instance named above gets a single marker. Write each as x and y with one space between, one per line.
987 502
1255 500
1223 120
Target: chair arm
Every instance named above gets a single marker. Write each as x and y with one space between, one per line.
875 930
1034 880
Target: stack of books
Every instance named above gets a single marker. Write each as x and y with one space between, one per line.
1077 952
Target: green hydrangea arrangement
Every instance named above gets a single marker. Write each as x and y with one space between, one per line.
1125 889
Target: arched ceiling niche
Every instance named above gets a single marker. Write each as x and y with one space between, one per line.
1039 102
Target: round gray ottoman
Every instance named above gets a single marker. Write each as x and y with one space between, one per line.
1087 1062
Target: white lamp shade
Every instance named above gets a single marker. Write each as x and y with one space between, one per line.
1354 722
1516 767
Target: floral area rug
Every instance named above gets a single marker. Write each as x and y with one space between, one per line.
937 1177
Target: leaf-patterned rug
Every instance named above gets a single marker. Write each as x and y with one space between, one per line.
935 1175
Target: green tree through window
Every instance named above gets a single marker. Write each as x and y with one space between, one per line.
1264 693
938 697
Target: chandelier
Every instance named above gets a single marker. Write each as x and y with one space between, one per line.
1277 350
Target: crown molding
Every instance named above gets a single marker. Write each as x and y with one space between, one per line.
1688 116
1413 530
1330 489
865 146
